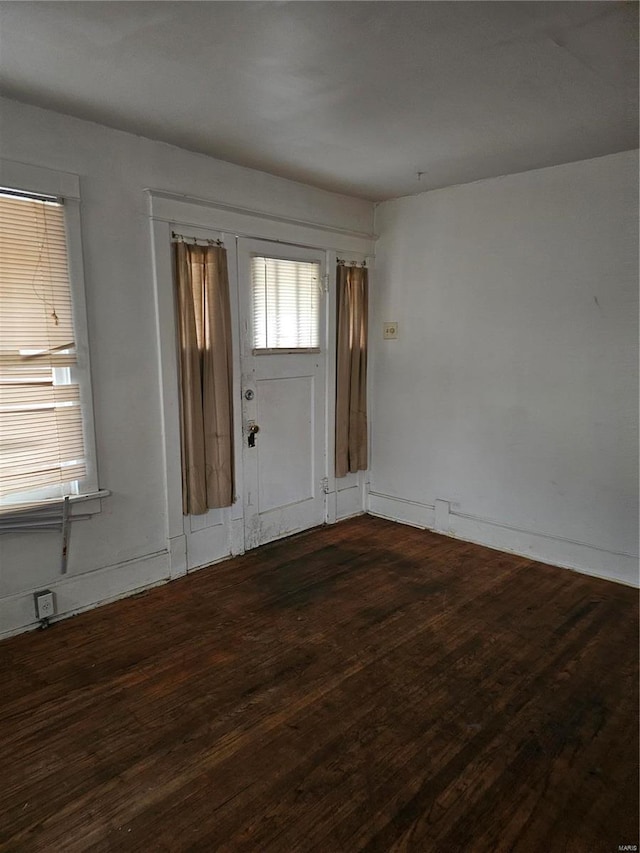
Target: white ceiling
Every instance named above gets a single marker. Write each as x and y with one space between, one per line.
355 97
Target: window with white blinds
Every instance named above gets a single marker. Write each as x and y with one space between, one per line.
286 304
42 448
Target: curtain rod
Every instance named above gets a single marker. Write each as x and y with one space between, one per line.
343 263
181 238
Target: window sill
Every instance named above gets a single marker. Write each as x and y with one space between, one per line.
48 515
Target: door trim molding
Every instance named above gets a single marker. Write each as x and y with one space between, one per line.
165 210
256 224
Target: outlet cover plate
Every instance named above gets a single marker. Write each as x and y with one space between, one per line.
45 607
390 331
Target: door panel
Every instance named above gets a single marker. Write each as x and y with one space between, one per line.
207 538
285 450
284 463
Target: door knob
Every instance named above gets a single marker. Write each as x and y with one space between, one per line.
249 394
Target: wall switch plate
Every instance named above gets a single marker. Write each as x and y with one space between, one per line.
45 607
390 331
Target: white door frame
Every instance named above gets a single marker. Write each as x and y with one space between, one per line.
166 211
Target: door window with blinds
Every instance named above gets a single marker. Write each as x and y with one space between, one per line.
43 446
286 305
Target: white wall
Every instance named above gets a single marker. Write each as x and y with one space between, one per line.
512 391
124 547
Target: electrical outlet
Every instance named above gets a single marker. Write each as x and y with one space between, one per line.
390 331
45 607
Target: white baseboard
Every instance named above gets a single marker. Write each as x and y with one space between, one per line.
399 509
569 554
76 593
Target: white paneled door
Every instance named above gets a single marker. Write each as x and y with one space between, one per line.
283 350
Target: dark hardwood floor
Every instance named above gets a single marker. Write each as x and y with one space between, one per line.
365 686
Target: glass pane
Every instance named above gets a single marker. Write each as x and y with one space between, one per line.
286 303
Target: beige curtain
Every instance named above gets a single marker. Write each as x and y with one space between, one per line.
206 405
351 378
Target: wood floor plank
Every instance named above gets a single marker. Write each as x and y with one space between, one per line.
364 686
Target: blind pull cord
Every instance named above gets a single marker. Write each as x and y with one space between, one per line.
65 535
45 352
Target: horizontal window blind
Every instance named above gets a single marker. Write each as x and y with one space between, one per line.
286 303
41 430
